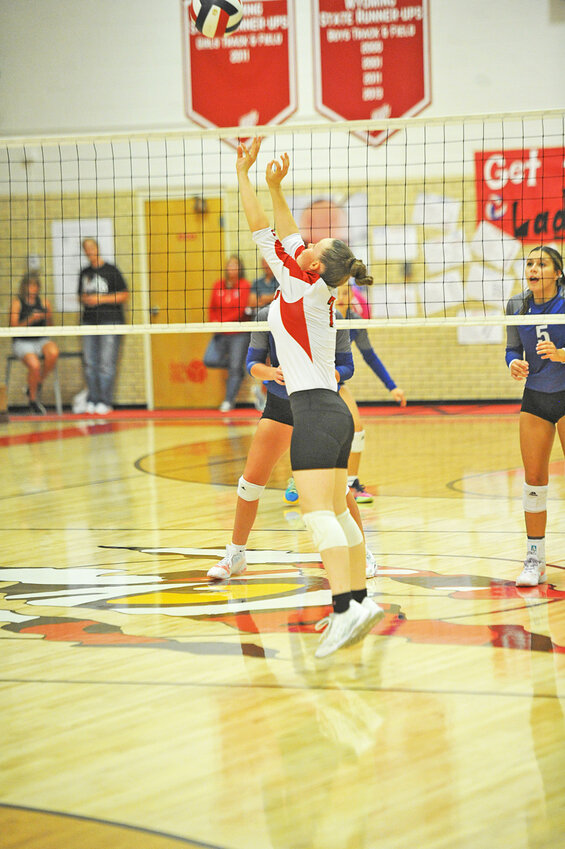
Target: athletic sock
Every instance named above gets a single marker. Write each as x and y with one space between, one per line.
359 595
340 602
351 480
232 548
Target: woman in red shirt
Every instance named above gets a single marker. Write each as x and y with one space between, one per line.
229 302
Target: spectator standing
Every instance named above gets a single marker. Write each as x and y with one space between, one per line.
102 292
229 302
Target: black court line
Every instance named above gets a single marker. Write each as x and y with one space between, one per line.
196 844
290 687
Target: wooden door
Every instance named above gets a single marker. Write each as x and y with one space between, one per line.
186 256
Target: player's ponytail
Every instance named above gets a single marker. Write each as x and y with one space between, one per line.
358 270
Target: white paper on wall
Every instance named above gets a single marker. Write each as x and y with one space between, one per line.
441 254
394 300
395 244
477 334
436 211
492 245
441 294
488 286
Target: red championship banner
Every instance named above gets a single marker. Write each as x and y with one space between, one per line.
371 59
522 192
246 78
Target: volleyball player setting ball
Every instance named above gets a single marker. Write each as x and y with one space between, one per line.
301 320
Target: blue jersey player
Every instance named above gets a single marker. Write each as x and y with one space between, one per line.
349 307
536 353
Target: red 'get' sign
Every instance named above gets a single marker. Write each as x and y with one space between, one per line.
371 59
522 192
246 78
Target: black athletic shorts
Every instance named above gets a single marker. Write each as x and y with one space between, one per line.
545 405
323 430
278 409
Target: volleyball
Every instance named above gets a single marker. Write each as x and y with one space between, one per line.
216 18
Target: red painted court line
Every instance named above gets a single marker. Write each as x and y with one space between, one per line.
85 425
486 409
87 429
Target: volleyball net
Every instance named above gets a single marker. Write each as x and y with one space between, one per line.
442 211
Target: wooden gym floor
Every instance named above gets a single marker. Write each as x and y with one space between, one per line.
143 707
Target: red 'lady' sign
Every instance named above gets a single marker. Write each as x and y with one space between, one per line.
226 79
522 192
371 59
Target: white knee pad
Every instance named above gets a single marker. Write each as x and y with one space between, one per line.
534 498
351 529
249 491
325 529
358 442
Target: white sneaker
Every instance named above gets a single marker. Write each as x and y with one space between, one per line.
231 564
90 407
341 629
102 409
532 574
80 401
225 407
375 612
371 567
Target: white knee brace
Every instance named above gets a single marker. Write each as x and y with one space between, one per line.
325 529
249 491
534 498
351 529
358 442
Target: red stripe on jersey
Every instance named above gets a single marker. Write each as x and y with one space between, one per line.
292 314
294 322
309 277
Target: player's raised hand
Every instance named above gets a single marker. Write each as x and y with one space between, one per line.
277 171
246 156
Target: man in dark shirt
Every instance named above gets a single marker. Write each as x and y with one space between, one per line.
102 292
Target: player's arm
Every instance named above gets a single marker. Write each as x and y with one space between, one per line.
344 365
517 365
259 369
252 207
361 338
285 225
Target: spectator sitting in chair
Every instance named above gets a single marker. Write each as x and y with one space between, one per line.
29 310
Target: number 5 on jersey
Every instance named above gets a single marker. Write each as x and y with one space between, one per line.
541 333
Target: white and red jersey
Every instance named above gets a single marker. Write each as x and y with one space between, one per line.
301 318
